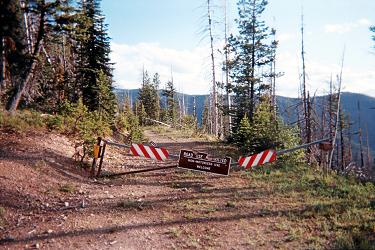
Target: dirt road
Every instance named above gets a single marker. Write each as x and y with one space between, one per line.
47 201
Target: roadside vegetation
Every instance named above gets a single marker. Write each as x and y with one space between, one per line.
330 209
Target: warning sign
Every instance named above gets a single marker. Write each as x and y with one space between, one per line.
199 162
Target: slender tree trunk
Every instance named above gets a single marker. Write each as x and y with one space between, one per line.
304 99
214 93
252 75
3 65
227 67
308 121
350 151
342 142
337 110
360 135
273 79
322 153
368 149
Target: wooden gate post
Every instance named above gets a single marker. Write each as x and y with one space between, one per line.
96 156
101 159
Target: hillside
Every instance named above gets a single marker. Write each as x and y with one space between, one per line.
54 205
349 104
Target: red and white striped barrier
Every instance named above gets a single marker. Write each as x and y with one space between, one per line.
151 152
257 159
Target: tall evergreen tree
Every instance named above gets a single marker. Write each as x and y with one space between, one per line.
171 103
251 51
155 96
93 50
64 38
149 96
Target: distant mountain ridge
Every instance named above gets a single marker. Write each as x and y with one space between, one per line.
349 102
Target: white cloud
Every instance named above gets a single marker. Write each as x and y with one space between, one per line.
346 27
284 37
318 77
191 70
364 22
189 66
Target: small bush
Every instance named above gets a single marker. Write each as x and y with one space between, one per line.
128 123
266 132
55 122
76 120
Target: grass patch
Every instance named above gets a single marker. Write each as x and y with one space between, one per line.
332 210
22 121
67 188
175 232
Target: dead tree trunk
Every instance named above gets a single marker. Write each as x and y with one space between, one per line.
214 93
16 98
304 98
227 68
342 142
360 134
368 149
337 110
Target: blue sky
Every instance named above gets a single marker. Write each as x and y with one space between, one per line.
165 34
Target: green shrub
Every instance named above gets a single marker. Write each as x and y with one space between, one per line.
189 122
128 123
85 126
22 120
55 122
266 132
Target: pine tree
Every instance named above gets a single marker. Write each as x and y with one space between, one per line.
149 96
128 123
93 52
64 40
155 96
251 52
171 104
106 98
263 132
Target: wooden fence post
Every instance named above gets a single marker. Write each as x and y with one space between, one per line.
96 156
101 159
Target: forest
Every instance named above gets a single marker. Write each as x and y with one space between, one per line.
57 77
